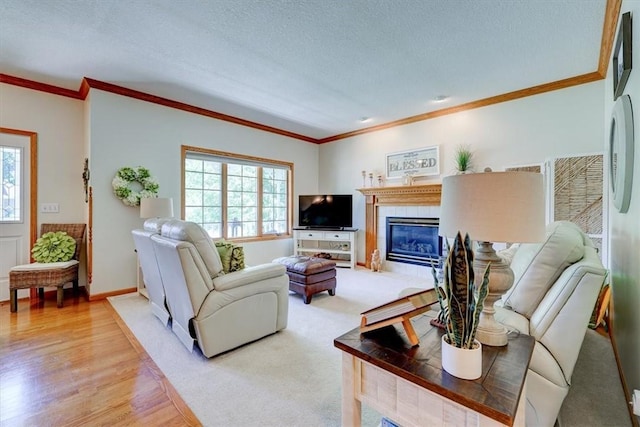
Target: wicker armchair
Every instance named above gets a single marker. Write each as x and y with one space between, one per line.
38 275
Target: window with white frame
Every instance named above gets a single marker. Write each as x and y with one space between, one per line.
236 197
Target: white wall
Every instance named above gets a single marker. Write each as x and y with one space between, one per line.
625 228
58 122
524 131
128 132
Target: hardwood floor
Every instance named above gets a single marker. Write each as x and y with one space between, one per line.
79 365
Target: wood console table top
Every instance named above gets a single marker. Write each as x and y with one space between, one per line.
495 394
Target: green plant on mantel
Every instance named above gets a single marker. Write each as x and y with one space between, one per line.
464 156
459 296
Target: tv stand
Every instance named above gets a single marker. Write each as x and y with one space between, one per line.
324 228
340 243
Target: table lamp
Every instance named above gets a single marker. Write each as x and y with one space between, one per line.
493 207
156 207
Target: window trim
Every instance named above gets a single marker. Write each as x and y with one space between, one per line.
185 149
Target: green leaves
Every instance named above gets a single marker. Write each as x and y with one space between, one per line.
133 183
122 192
128 174
463 157
481 293
54 247
460 298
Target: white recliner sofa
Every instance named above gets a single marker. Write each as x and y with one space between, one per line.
218 311
150 270
554 292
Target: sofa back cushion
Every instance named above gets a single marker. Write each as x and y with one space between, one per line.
154 225
536 266
196 235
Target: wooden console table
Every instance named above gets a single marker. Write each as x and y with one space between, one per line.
407 384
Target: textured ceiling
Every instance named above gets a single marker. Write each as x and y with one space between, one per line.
312 67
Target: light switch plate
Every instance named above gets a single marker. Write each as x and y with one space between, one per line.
636 402
49 207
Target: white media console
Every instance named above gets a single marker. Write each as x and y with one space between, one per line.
339 243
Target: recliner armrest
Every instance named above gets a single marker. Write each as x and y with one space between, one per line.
511 320
248 276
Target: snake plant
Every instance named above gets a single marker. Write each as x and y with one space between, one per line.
459 296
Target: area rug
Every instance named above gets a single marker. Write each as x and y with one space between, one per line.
291 378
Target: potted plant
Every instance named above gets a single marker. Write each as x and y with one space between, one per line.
461 299
463 158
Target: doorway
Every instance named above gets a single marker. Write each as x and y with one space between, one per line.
18 218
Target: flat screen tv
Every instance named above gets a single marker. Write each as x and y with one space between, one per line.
325 211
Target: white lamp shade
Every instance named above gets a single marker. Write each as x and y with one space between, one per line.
494 206
156 207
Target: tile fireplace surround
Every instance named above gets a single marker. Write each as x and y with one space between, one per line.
406 201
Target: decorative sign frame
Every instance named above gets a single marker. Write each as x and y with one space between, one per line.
533 167
420 162
622 56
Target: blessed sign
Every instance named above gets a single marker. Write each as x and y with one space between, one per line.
422 162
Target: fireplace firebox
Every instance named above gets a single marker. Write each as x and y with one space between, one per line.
414 241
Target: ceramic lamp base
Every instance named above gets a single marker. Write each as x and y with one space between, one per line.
490 332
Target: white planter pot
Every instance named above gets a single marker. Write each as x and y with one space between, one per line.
460 362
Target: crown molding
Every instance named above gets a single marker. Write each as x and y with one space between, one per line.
88 84
131 93
42 87
510 96
612 12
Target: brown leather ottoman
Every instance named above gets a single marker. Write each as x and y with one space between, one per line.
308 276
